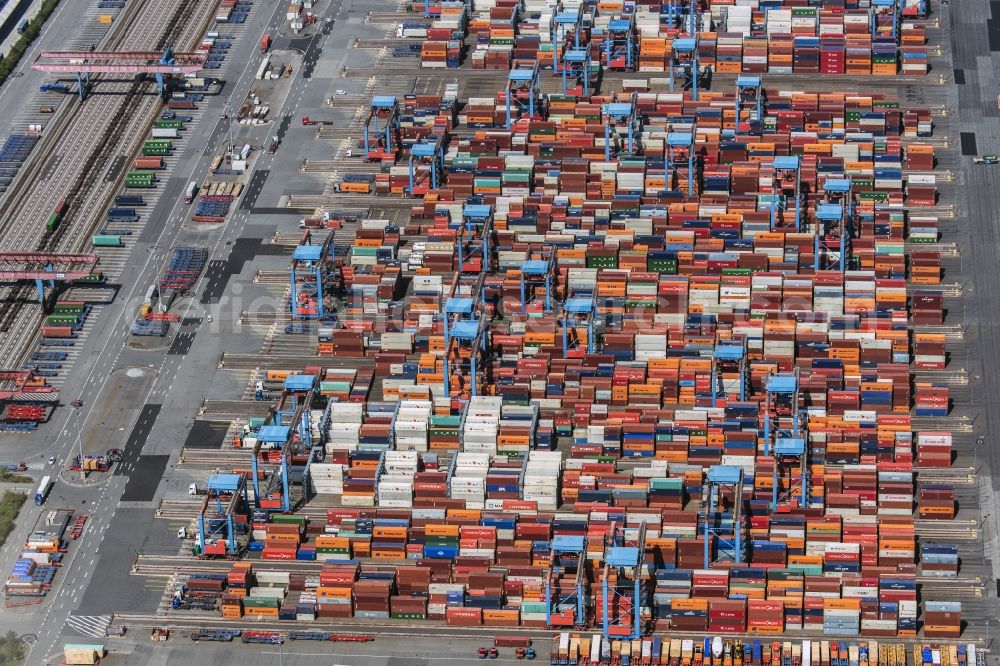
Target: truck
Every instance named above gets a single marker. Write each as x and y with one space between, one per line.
43 490
306 120
22 27
191 190
265 43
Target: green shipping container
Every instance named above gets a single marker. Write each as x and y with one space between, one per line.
101 240
288 519
52 222
169 124
602 262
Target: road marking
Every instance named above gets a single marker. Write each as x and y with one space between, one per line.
95 626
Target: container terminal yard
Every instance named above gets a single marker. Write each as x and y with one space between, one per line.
579 332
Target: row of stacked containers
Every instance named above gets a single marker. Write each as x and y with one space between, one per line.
772 37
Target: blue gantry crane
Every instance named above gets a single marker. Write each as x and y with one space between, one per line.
579 310
564 33
786 190
222 517
621 129
683 66
381 131
473 242
719 524
576 72
464 327
623 582
884 18
309 277
729 359
429 152
287 436
621 45
565 582
834 225
680 152
536 271
521 97
784 435
749 105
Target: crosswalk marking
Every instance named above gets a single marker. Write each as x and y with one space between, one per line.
95 626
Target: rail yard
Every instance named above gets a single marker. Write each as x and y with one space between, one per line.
578 332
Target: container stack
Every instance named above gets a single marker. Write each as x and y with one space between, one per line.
939 560
411 425
541 479
468 480
942 619
481 426
344 426
395 485
936 502
327 478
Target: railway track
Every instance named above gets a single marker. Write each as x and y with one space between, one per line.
384 630
72 160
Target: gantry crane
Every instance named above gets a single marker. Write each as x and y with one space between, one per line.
623 582
680 152
621 128
310 277
428 152
222 519
786 184
475 251
291 446
565 31
85 63
621 45
581 309
729 371
725 527
749 102
784 436
45 269
381 132
465 328
521 97
565 582
576 71
883 19
536 271
834 225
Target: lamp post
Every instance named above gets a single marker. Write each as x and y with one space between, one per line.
77 404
